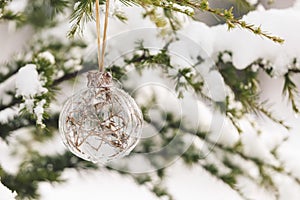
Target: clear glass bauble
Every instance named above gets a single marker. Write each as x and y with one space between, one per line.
102 122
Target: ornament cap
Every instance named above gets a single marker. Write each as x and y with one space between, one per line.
98 79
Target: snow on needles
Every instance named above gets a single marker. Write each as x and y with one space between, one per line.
28 83
39 111
248 47
46 55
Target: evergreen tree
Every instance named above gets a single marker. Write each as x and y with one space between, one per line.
228 93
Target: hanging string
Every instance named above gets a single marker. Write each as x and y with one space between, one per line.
101 56
98 34
105 31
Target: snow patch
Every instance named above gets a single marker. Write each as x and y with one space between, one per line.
39 111
247 47
6 87
6 194
254 146
223 131
46 55
226 57
252 2
28 83
8 114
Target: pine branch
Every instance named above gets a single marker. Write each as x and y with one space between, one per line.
232 151
232 22
152 181
245 86
226 179
261 108
59 5
15 124
225 14
6 14
82 14
189 159
290 90
37 168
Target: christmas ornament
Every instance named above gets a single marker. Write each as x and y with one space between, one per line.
102 122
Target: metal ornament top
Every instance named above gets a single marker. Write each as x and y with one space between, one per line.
99 79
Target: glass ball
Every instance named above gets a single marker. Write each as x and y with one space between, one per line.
102 122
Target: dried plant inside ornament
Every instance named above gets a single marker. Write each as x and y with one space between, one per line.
102 122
